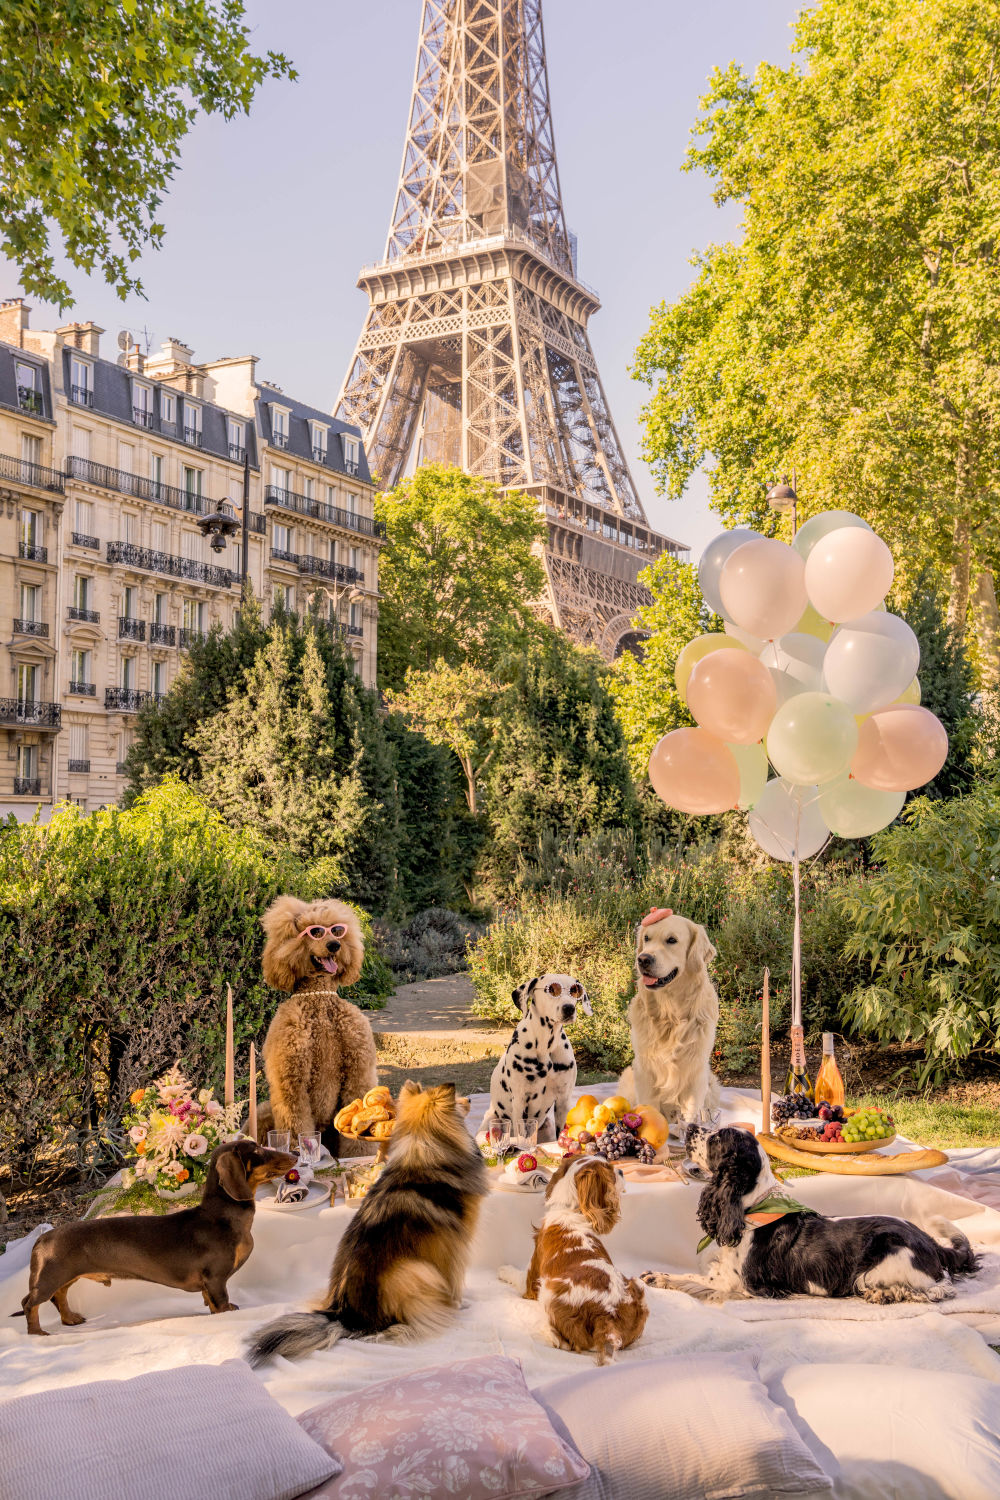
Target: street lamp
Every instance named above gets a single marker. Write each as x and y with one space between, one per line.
781 496
219 524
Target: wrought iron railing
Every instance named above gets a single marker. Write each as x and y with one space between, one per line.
238 453
280 554
30 627
141 417
339 572
162 635
279 439
149 561
81 539
257 523
78 767
27 786
30 712
35 476
32 553
135 484
187 637
83 689
192 436
304 505
130 629
356 630
82 395
351 466
126 700
91 616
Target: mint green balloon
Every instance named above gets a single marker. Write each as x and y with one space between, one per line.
812 738
752 763
853 811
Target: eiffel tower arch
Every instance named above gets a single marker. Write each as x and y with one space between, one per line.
475 349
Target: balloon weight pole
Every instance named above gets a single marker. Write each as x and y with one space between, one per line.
796 942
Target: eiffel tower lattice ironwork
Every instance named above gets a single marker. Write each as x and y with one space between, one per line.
475 349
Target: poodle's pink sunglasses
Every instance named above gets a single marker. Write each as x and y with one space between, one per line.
338 930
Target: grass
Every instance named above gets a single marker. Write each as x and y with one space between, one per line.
943 1121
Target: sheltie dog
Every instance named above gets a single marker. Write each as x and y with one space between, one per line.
400 1266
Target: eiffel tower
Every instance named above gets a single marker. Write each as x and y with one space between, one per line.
475 349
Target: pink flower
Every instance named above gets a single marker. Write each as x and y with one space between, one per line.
213 1108
195 1145
137 1134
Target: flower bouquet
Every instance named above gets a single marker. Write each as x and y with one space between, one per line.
174 1132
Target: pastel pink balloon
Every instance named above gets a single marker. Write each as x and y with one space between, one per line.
762 585
732 695
899 748
695 772
848 573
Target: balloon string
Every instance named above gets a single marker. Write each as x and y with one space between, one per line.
796 938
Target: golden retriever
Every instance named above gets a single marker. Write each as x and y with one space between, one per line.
673 1017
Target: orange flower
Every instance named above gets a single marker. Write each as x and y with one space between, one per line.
137 1097
183 1175
140 1148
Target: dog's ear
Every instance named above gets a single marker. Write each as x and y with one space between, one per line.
584 1004
281 947
699 949
233 1175
352 949
409 1089
522 995
597 1194
720 1208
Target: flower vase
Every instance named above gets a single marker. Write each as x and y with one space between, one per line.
184 1191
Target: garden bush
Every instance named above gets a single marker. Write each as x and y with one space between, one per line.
926 929
118 934
428 946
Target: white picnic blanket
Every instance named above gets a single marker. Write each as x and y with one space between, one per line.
134 1327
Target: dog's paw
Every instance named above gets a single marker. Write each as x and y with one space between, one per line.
655 1278
514 1277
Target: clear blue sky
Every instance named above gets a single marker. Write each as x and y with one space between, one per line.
271 217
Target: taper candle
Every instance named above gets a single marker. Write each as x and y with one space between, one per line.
230 1095
252 1121
765 1054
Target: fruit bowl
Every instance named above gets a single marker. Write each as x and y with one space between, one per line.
834 1148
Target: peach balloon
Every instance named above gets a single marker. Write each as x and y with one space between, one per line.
763 589
731 695
899 748
848 573
695 772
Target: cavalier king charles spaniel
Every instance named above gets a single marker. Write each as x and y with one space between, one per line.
590 1306
771 1246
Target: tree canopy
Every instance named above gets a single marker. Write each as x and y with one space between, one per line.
455 707
458 575
95 102
852 331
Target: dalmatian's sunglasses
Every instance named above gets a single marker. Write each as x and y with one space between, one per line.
555 989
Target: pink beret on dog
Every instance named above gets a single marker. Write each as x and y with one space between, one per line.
656 914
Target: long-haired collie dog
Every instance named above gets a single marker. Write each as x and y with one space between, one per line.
779 1252
319 1052
400 1266
590 1306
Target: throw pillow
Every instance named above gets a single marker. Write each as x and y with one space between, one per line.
208 1430
694 1429
470 1429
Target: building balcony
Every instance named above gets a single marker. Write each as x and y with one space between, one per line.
126 700
30 627
32 553
339 572
83 689
130 629
137 485
238 453
351 466
319 454
30 714
141 417
81 539
27 786
28 399
356 630
78 767
89 616
257 523
279 439
192 436
279 554
187 637
34 476
128 555
162 635
303 505
81 395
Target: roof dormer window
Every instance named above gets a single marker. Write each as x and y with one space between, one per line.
237 440
319 432
352 452
192 424
29 387
81 381
168 412
279 425
142 404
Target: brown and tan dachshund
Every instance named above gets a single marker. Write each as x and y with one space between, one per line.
197 1249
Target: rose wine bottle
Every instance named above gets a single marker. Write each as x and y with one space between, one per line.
829 1082
798 1080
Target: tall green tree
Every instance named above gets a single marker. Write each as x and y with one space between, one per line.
852 329
95 102
455 707
643 688
458 574
947 687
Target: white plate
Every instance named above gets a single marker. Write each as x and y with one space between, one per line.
317 1194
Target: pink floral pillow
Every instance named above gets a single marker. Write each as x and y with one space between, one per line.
472 1430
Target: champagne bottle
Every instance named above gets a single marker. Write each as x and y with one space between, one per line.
798 1080
829 1082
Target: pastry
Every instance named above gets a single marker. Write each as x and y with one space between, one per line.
380 1095
382 1130
344 1118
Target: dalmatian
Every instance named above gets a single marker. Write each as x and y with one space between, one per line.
535 1077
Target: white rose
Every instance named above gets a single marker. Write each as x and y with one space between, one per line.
195 1145
137 1134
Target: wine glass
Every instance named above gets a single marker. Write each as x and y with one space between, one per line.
498 1140
310 1149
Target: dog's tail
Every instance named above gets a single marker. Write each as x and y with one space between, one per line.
607 1343
957 1254
294 1335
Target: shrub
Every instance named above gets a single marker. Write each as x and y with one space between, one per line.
428 946
118 934
926 929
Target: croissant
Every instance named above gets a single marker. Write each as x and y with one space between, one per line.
344 1118
368 1117
380 1095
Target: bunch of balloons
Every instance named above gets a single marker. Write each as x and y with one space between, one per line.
813 677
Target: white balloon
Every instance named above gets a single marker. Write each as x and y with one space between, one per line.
870 661
786 816
801 656
817 527
853 811
848 573
713 559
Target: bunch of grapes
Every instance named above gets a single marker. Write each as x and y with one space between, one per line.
793 1107
832 1112
616 1142
869 1125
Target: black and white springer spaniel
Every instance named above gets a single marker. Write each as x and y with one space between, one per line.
797 1252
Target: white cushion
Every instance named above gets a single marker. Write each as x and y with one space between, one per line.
699 1428
897 1432
200 1430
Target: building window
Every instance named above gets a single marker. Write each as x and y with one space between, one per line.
27 764
81 591
79 667
352 503
31 598
355 556
126 467
352 448
128 525
192 424
356 617
331 496
81 442
194 615
130 601
236 566
31 528
27 682
281 479
31 448
318 433
309 488
79 742
191 545
127 672
158 536
237 441
168 411
284 595
85 517
282 538
333 549
159 609
157 470
142 404
192 487
81 389
279 426
29 387
159 678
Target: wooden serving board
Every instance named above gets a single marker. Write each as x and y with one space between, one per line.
835 1148
872 1164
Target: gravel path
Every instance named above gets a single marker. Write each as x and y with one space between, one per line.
439 1009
